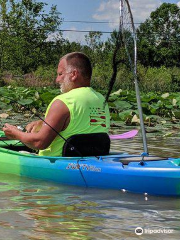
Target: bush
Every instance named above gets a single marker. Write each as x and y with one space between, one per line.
42 77
154 79
46 75
124 79
175 79
101 76
150 79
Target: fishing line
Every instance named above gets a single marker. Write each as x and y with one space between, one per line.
1 139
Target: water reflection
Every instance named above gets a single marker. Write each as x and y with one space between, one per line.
31 209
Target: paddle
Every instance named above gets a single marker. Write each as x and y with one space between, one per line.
125 135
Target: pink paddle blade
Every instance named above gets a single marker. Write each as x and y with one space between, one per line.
125 135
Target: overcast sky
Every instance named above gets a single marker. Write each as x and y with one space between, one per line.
99 10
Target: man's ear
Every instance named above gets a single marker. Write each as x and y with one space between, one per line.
74 74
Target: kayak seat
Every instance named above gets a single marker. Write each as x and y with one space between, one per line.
92 144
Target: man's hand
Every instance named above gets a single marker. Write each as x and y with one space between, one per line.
34 127
11 131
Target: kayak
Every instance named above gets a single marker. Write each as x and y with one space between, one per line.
120 171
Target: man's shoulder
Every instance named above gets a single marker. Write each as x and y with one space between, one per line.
60 96
78 93
98 93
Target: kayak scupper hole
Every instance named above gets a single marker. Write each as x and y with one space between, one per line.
52 160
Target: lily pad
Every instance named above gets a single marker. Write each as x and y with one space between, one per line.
115 116
168 134
3 105
4 115
47 97
125 115
25 101
165 95
122 105
177 114
117 92
135 119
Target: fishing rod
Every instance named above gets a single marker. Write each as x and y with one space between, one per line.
126 38
130 44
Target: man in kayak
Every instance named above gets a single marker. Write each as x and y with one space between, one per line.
79 110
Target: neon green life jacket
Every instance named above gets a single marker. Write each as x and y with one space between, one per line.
87 115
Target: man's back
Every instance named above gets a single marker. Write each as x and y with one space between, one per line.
87 115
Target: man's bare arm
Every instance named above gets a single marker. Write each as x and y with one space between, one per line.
58 118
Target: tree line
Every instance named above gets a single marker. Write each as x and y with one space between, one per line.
31 41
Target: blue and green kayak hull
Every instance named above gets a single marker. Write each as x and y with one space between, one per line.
156 177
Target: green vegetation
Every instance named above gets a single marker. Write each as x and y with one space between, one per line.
31 43
159 37
19 99
158 108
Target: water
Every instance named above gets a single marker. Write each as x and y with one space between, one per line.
33 209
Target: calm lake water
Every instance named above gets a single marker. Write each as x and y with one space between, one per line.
33 209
